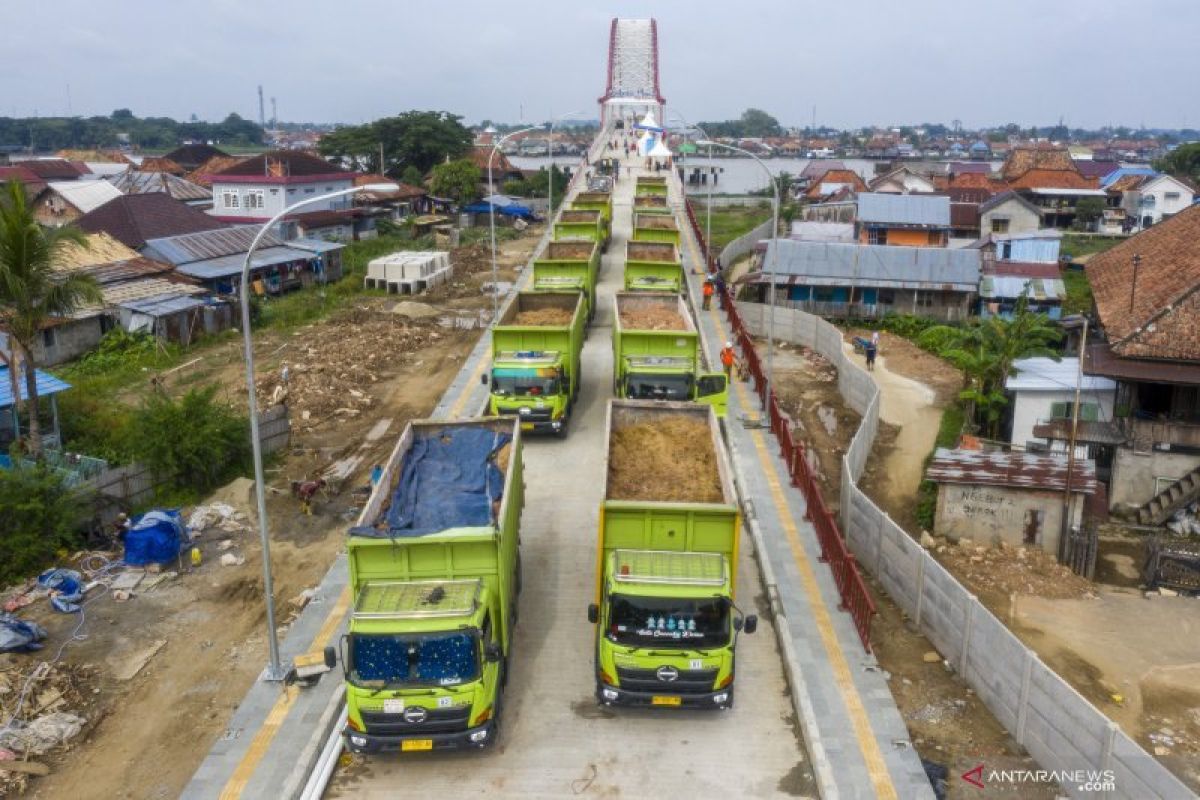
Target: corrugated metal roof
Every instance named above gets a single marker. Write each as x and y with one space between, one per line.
47 385
135 182
315 245
205 245
163 305
904 209
226 266
809 231
1054 191
1048 375
130 291
904 267
85 195
1013 469
1014 286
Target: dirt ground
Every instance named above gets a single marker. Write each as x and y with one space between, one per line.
157 676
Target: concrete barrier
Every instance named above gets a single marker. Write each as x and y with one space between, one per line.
743 244
1060 728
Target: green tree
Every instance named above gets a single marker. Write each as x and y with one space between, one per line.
458 180
1087 211
756 122
41 516
412 176
418 139
194 442
1182 162
31 290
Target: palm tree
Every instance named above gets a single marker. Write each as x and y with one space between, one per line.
31 290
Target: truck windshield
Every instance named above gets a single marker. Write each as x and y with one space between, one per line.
694 623
659 387
380 661
525 383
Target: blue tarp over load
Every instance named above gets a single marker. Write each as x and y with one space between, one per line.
157 537
449 480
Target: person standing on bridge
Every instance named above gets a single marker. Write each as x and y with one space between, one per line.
708 290
728 358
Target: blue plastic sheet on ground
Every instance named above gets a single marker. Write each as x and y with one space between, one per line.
156 537
66 589
449 480
18 635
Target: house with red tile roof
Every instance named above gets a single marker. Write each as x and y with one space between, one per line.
821 188
1048 177
1146 292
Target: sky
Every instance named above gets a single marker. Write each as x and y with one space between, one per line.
885 62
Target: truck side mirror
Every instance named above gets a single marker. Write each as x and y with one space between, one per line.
483 379
331 656
492 653
737 624
593 613
751 624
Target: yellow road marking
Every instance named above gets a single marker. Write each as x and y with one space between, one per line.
877 769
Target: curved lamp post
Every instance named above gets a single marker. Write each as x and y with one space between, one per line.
774 255
492 215
275 670
550 171
708 202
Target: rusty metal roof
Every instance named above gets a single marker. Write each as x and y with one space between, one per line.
205 245
1016 470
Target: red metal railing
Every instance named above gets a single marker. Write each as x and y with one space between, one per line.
851 586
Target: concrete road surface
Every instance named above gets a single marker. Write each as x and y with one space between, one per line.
556 741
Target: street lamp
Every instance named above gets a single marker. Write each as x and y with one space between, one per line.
275 670
550 172
492 215
774 256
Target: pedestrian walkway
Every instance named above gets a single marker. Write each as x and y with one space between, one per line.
855 734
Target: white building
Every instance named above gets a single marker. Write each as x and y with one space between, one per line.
1043 390
1156 197
258 188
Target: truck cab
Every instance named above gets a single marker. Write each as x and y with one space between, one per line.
423 665
531 385
667 630
673 378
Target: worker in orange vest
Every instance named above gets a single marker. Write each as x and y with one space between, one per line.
708 293
728 358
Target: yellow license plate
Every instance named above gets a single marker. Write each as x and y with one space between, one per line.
526 426
417 744
665 700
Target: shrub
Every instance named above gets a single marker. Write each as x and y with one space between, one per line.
194 442
116 350
39 516
948 431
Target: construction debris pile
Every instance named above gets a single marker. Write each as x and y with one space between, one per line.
42 707
1007 570
669 460
652 318
1185 521
328 367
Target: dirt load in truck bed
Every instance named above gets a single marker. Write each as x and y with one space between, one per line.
571 251
651 318
543 316
650 251
669 460
579 215
657 221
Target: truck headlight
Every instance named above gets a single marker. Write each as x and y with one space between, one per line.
723 697
523 410
358 741
478 736
557 424
610 694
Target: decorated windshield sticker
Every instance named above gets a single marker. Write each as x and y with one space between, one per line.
668 628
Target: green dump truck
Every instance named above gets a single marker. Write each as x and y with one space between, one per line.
535 360
653 267
655 228
435 573
667 557
569 266
596 201
650 185
656 352
582 224
651 204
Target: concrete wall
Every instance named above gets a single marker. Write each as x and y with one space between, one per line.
1030 407
990 514
1059 727
71 340
1021 219
276 197
743 244
1134 474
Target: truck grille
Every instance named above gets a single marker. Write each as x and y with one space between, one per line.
440 720
534 415
690 681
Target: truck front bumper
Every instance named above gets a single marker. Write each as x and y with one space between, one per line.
616 696
532 424
358 742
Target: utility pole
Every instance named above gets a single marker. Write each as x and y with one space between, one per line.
262 111
1137 262
274 114
1066 523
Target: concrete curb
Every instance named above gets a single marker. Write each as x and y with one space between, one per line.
307 758
801 704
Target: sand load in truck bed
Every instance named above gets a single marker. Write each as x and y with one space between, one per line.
650 201
568 251
652 318
656 222
549 317
580 215
651 251
666 460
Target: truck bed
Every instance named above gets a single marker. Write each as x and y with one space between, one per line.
651 312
